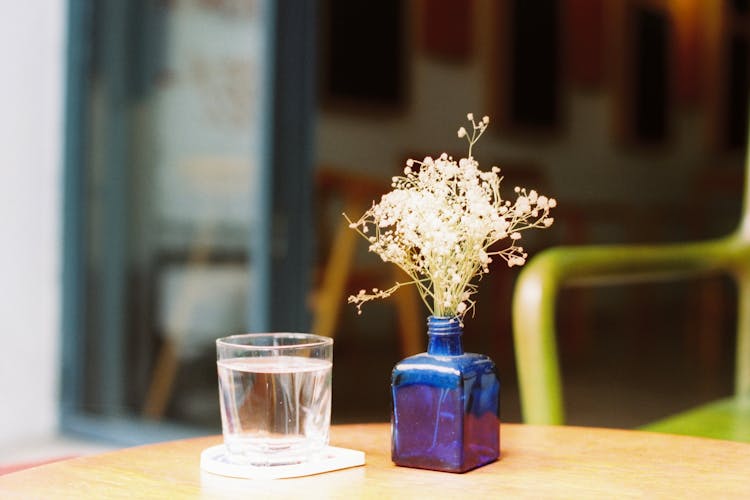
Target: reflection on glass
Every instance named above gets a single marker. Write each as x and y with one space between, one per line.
173 168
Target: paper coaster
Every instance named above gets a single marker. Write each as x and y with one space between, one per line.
215 461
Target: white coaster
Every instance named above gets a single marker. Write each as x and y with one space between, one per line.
215 461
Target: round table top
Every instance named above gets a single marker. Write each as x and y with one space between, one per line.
536 461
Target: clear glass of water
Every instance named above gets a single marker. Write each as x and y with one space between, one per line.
275 395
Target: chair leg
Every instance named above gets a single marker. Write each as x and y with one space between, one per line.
162 381
332 291
165 369
410 319
742 371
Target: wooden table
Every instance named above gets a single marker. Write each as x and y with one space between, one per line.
538 462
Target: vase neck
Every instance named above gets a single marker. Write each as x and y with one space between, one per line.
444 336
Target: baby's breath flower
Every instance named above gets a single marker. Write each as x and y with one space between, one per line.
440 224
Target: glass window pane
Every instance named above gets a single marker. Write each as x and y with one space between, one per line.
173 200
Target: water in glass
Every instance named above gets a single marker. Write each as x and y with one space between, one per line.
274 409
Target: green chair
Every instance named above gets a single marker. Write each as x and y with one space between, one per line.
534 303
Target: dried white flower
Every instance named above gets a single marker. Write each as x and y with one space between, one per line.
440 224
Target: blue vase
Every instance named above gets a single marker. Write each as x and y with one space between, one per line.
445 405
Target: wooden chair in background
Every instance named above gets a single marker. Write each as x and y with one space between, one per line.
352 193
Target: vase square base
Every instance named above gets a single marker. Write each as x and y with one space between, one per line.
445 405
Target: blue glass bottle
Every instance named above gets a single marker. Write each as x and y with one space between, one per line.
445 405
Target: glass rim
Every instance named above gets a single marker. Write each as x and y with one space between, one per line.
314 341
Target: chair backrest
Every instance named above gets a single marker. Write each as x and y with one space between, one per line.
538 285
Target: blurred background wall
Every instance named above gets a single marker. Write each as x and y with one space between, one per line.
32 50
580 64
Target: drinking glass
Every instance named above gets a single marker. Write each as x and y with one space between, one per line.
275 395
